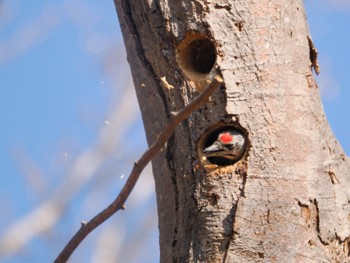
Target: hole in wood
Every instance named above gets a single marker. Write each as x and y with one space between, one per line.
201 55
196 56
222 145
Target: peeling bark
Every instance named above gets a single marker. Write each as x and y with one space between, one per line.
313 56
288 198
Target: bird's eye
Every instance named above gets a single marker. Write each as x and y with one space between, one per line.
231 146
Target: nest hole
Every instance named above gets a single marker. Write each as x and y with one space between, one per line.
211 136
196 55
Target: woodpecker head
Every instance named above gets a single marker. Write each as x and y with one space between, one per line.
229 145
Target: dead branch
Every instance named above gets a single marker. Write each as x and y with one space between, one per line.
118 203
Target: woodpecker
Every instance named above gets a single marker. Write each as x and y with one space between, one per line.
229 145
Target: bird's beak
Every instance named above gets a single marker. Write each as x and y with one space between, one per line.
212 148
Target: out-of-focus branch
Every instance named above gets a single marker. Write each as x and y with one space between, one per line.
118 203
31 34
46 215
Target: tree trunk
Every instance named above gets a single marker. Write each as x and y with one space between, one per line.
287 199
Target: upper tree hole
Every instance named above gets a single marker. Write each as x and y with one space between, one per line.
201 55
196 56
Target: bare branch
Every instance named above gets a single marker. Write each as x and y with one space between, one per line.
118 203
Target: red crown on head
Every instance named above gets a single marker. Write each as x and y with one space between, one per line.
225 137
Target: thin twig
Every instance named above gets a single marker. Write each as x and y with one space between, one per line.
118 203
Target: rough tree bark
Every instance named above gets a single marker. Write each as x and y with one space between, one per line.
287 199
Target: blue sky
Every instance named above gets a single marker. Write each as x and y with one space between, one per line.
62 73
329 26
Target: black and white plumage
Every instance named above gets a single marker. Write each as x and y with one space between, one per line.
230 145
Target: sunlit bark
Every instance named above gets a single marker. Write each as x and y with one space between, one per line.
288 197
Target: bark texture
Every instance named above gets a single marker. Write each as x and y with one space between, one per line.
288 199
